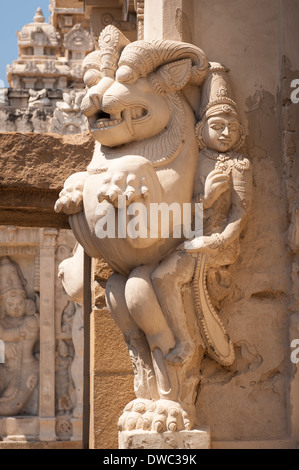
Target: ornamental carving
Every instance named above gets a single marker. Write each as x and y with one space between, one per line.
67 118
167 131
78 42
19 331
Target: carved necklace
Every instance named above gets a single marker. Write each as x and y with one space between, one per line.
235 160
220 158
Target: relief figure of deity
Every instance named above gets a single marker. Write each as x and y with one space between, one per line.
19 330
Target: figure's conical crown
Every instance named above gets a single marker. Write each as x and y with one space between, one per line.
10 279
216 95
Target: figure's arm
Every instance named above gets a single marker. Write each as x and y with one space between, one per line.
10 334
240 205
241 202
216 183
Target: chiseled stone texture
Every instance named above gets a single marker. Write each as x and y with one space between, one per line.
195 439
111 365
111 392
63 445
249 402
42 161
33 168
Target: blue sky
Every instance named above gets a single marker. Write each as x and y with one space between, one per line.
14 14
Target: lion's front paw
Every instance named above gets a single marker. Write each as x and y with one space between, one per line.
123 187
71 197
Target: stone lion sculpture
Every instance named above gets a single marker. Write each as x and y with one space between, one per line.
149 120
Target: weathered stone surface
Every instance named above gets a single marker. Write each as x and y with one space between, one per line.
105 338
63 445
110 394
196 439
41 161
33 168
38 391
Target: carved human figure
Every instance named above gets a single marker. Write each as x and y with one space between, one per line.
19 328
141 104
38 98
71 275
223 185
62 378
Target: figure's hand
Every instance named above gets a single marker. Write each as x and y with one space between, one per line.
71 197
129 186
203 244
216 183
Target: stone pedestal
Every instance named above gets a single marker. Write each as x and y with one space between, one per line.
195 439
47 429
77 429
19 428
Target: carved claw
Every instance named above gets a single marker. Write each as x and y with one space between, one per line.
70 202
71 196
123 184
158 416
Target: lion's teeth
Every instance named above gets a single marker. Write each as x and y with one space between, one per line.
128 120
139 111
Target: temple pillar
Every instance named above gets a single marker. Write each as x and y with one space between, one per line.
168 20
47 334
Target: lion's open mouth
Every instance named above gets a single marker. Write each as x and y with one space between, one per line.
103 121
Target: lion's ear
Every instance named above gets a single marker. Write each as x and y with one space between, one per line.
172 77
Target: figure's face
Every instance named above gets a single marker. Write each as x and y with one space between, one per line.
15 306
221 132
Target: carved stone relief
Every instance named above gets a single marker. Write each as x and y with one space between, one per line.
71 275
28 317
153 133
38 99
67 118
19 329
77 43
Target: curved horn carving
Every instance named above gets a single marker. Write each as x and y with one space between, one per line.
140 58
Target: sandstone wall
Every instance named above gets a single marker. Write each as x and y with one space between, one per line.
253 403
33 168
